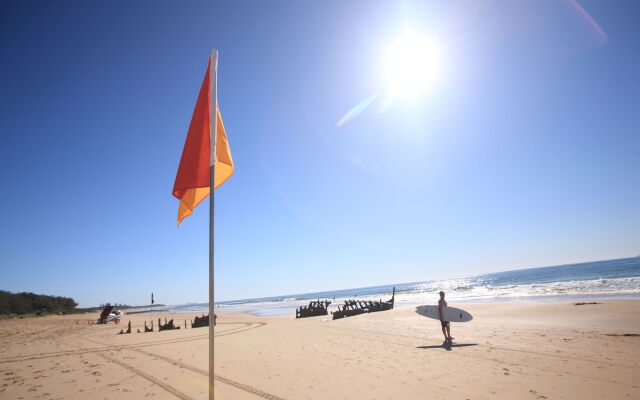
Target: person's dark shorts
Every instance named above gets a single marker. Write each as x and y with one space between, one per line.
445 324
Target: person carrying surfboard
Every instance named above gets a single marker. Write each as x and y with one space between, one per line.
445 324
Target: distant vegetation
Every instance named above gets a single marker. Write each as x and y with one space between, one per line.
31 303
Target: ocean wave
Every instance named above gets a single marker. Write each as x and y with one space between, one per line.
456 290
603 278
629 285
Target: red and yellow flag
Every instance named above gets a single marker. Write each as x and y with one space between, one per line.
192 180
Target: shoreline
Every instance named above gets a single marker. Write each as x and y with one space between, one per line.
284 310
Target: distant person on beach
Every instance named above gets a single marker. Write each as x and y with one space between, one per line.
445 324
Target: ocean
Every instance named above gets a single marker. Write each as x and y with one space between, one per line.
585 281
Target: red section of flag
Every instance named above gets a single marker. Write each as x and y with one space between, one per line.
193 171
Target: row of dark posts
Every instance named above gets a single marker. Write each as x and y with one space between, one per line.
199 322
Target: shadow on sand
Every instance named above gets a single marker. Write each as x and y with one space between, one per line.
447 346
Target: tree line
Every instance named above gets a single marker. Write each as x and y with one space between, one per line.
28 303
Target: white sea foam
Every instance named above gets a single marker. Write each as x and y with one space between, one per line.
460 289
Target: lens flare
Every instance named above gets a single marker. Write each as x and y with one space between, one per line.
360 107
600 33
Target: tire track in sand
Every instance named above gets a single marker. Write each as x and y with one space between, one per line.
238 385
246 326
137 348
171 389
197 370
148 377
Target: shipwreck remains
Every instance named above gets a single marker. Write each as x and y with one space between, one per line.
356 307
122 331
167 325
203 321
314 309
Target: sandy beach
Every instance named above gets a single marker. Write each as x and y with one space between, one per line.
517 350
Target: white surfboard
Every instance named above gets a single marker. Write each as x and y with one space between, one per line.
450 314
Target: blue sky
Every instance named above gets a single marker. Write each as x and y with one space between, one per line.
524 152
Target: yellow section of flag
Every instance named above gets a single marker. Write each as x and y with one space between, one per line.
223 171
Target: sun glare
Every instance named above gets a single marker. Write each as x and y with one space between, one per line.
411 66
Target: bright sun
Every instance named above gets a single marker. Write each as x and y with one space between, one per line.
411 65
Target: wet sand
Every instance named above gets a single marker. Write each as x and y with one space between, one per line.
518 350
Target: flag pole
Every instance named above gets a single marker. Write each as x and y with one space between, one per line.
213 129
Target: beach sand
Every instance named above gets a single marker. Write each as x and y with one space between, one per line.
517 350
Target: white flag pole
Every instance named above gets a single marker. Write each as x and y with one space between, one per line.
214 130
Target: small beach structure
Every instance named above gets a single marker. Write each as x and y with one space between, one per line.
104 314
314 309
109 314
203 321
356 307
